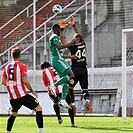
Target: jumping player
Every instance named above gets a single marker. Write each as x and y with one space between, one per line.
58 63
49 77
78 65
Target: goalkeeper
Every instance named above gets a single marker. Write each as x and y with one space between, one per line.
78 65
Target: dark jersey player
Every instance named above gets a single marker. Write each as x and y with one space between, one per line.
78 65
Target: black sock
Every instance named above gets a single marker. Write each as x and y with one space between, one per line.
72 95
85 94
10 122
71 114
39 119
57 110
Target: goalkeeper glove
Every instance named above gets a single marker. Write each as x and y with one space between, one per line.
62 24
72 23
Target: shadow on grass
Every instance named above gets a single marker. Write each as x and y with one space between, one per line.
124 129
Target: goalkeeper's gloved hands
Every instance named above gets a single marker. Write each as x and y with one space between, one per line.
62 24
71 21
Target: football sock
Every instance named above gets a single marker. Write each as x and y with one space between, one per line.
39 119
7 131
85 94
63 80
64 91
10 123
41 130
57 111
72 95
71 114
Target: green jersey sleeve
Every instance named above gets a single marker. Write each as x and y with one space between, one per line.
52 41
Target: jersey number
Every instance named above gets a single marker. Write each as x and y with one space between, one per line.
81 53
11 74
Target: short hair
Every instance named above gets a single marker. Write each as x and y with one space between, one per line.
45 64
55 27
15 52
78 36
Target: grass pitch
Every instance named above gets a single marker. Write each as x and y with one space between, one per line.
85 125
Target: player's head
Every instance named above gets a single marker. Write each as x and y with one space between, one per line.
79 38
56 29
16 53
45 64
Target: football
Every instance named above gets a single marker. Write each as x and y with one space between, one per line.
57 9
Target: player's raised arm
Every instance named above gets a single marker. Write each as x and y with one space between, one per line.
63 25
72 23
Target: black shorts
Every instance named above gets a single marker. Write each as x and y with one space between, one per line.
27 100
81 75
58 98
55 99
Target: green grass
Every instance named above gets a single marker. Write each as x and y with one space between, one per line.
85 125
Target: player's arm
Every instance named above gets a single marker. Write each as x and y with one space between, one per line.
70 56
3 78
63 25
27 84
3 81
72 23
60 46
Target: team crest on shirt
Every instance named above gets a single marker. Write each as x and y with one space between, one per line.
71 81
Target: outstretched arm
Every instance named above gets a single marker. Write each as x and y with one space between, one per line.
59 46
63 25
72 23
70 56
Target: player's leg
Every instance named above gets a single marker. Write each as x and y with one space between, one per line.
64 94
70 111
32 103
56 106
71 94
73 100
15 107
66 85
64 71
83 80
57 111
71 88
10 122
86 97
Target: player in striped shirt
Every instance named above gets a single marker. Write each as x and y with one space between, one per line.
49 77
15 79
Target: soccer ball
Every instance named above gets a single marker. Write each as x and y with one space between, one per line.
57 9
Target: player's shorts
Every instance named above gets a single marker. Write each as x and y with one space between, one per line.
81 75
61 67
55 99
27 100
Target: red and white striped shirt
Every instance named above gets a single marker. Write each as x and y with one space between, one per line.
13 73
49 77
